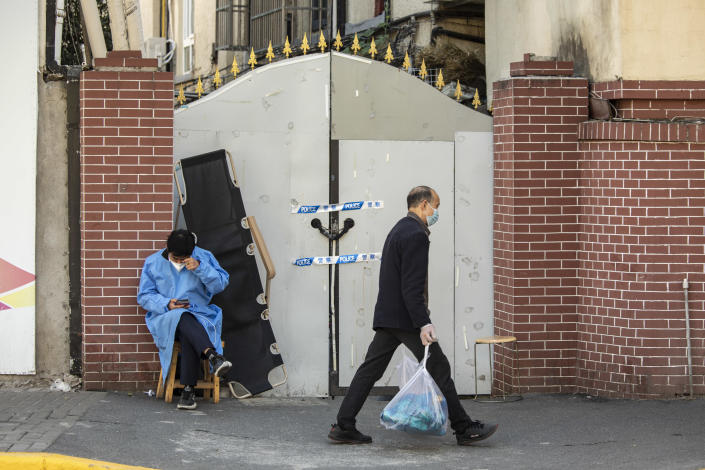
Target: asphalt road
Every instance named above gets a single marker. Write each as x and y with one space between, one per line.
539 432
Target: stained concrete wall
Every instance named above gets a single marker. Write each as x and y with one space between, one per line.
632 39
52 235
584 31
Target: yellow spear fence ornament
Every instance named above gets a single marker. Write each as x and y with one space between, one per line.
235 69
439 82
338 42
458 91
304 45
355 45
389 57
322 42
199 87
217 81
407 62
181 99
287 48
373 48
476 100
253 60
270 52
422 72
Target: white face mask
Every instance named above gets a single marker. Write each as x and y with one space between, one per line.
178 266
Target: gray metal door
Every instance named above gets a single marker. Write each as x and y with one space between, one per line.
387 170
474 295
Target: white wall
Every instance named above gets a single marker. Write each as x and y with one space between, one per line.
18 158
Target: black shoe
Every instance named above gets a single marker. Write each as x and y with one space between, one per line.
477 431
344 436
187 400
220 365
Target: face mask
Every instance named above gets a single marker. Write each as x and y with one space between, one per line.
432 219
177 266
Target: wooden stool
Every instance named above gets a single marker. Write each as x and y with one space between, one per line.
210 383
489 341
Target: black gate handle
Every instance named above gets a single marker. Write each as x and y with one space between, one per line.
332 235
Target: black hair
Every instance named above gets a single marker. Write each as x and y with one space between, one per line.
419 194
181 243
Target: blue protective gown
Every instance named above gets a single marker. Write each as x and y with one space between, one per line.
161 281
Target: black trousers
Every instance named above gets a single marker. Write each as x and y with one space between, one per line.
194 340
379 354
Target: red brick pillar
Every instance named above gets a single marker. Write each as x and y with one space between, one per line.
126 211
536 231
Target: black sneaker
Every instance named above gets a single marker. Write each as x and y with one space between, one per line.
187 400
220 365
477 431
345 436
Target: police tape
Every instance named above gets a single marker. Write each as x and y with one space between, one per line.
345 206
342 259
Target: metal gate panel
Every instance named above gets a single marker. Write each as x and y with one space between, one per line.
387 170
279 155
474 298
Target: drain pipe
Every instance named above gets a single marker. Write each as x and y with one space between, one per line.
91 16
687 337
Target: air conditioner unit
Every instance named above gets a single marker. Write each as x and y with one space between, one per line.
155 48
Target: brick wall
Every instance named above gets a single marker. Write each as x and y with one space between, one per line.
596 225
643 232
126 212
654 99
536 222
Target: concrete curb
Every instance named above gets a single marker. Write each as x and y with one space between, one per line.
43 461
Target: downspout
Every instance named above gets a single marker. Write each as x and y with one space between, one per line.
91 16
54 71
133 21
118 28
58 30
687 337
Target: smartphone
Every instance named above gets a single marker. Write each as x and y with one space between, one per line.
182 301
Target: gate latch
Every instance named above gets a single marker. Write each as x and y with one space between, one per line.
333 234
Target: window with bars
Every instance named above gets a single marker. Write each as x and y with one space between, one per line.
276 19
231 25
187 44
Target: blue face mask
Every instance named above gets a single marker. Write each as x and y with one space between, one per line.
432 219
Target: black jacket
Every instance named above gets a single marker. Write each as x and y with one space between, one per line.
402 300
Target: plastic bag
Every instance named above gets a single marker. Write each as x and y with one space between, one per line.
419 407
407 368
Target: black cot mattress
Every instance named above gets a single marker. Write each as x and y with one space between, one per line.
214 210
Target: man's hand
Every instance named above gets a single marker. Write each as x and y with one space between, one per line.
428 335
191 263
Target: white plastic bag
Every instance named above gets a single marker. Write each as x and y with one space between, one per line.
419 407
407 368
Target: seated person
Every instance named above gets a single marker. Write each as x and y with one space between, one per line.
177 302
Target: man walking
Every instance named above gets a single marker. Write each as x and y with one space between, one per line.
402 316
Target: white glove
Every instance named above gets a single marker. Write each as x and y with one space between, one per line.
428 334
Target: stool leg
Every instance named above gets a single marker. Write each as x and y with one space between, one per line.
489 351
172 375
160 385
216 389
516 369
475 355
504 373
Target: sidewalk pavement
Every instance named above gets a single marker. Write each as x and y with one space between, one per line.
539 432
